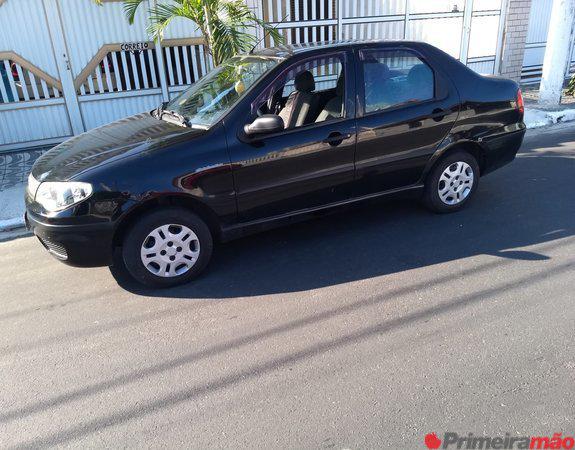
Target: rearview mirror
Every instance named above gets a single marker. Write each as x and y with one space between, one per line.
268 123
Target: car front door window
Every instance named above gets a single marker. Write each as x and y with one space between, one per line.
308 92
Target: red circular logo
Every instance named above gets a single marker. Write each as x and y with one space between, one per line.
432 441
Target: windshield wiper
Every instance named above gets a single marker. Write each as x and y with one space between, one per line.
179 118
176 117
157 113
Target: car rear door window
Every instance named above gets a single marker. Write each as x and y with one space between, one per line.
393 78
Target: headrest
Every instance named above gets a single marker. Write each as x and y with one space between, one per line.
376 71
419 73
339 87
304 81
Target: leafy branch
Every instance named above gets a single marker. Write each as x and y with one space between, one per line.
228 26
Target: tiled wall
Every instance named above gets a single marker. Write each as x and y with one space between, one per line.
516 24
15 166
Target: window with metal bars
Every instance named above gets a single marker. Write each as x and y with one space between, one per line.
18 84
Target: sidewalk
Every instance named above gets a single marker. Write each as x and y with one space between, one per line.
14 170
15 166
538 116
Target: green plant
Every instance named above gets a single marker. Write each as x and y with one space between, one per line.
224 24
571 86
97 2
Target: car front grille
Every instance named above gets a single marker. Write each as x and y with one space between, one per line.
58 250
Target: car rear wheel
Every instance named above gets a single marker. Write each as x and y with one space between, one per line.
451 183
167 247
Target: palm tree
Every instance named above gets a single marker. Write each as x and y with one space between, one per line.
223 23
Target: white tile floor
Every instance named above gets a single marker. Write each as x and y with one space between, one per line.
15 166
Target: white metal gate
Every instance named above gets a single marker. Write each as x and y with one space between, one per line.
32 108
536 41
469 30
117 70
67 66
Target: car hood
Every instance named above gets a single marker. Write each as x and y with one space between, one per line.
127 137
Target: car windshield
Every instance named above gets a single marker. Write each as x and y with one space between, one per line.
211 97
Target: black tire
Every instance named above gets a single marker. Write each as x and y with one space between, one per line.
130 257
431 195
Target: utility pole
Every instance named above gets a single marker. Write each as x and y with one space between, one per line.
557 52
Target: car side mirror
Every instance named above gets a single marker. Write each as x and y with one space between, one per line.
266 124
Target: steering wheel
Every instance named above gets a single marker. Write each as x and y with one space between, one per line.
274 102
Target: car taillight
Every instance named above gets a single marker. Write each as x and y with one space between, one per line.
520 105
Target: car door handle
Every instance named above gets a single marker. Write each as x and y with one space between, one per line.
336 138
438 114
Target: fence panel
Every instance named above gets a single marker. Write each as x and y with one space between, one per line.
440 23
373 8
31 103
536 42
186 61
374 30
118 70
114 64
444 33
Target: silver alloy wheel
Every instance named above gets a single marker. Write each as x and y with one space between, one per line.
170 250
455 183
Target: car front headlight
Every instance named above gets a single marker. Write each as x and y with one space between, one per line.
33 184
59 195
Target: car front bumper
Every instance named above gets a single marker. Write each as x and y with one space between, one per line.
83 245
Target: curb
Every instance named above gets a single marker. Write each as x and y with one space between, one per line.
15 233
537 118
11 224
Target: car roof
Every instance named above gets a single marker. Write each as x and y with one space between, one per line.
286 51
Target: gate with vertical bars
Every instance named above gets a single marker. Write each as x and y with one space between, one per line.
536 41
68 66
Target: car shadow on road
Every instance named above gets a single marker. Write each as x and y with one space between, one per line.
528 202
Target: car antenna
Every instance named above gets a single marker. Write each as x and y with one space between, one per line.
267 32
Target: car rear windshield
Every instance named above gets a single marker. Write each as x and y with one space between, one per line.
210 98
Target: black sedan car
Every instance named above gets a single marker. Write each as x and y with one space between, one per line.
267 138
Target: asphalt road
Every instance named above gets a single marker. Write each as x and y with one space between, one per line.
365 329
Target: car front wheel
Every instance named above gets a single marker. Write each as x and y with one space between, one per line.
167 247
451 183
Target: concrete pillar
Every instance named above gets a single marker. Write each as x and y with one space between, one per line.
515 35
557 52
